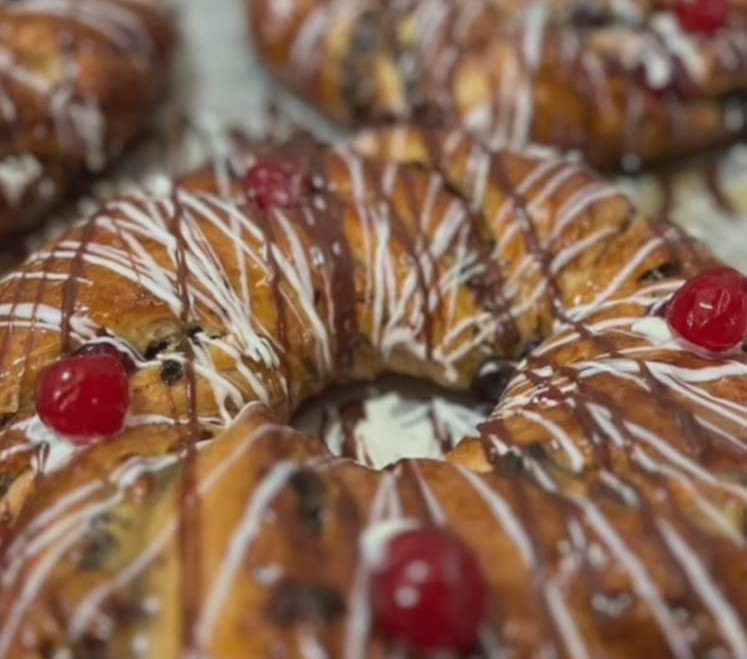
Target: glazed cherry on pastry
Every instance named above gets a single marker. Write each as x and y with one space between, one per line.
710 310
429 592
84 398
273 186
702 16
103 348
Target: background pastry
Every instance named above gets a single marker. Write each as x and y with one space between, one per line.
622 82
78 81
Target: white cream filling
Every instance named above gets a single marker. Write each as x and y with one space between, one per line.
654 328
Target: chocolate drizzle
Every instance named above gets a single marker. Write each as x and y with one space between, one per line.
189 499
324 220
320 217
264 221
351 415
407 241
311 493
70 287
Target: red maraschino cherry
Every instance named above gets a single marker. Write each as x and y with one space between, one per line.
105 348
710 310
429 592
273 186
84 398
702 16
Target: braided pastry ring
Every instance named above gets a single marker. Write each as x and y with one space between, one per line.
621 82
614 463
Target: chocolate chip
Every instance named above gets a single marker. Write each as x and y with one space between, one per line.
156 348
49 650
294 603
511 464
367 39
5 419
664 271
538 452
126 610
5 483
311 494
590 15
530 347
491 382
91 648
368 36
99 542
194 333
171 372
88 647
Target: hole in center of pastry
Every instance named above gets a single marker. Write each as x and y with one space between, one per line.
392 418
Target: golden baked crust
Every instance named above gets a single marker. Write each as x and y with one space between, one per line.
619 81
78 79
605 498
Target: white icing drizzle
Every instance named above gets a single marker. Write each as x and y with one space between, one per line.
239 546
55 452
723 613
358 627
655 329
643 584
17 175
376 538
505 516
